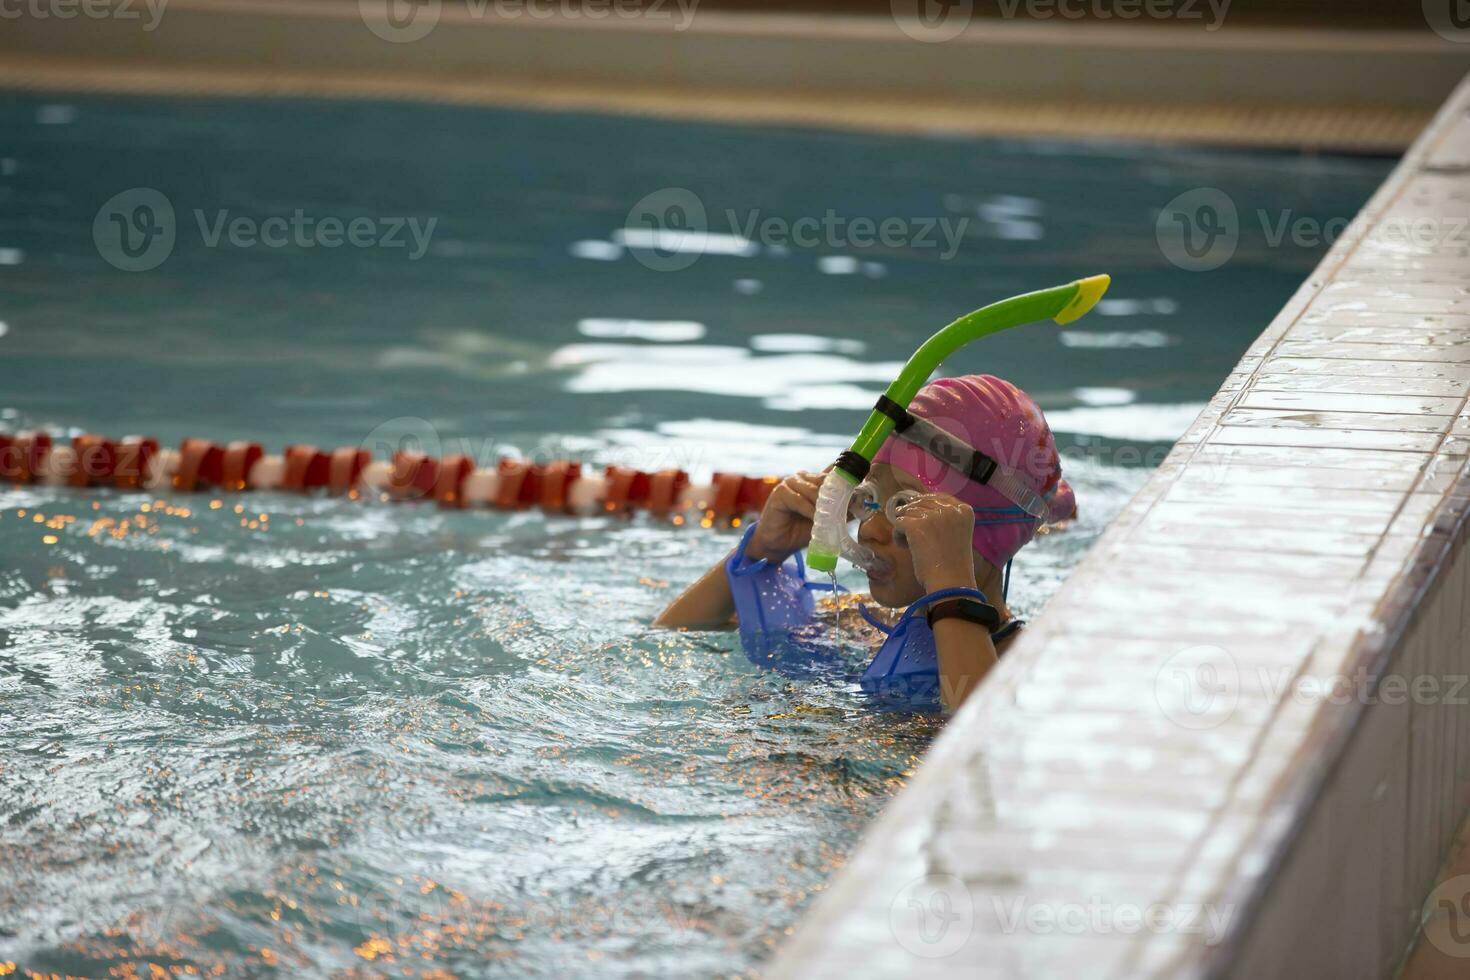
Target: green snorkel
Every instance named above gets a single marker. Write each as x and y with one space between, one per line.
1062 304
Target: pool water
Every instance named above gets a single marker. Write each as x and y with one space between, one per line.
268 733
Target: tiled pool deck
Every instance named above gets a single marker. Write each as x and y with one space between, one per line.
1237 741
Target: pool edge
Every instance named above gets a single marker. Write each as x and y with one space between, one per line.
1364 91
1318 812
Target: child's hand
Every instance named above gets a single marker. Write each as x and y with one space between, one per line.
939 528
786 520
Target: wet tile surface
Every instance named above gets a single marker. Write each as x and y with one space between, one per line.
1148 741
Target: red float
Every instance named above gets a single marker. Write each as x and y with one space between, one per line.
201 462
514 483
236 462
726 502
664 489
96 459
134 454
626 489
346 469
23 456
305 468
556 485
754 492
413 475
449 486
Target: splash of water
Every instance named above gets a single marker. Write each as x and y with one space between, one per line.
836 609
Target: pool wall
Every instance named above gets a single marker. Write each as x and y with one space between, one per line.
1236 742
1193 78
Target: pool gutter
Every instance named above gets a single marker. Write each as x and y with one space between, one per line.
1141 79
1197 762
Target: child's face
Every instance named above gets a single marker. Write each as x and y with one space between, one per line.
892 580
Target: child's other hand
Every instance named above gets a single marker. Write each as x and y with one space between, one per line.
786 520
939 528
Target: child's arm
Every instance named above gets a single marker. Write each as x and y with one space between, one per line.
939 529
705 605
966 655
785 528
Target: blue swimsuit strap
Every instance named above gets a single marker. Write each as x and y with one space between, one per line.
748 567
918 604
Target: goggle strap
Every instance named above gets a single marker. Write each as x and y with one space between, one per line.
1008 483
959 455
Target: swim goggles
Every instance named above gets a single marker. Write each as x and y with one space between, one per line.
867 501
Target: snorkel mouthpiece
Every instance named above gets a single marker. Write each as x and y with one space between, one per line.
830 538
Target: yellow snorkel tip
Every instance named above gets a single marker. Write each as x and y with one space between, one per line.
1089 291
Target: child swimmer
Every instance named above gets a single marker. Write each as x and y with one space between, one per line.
939 539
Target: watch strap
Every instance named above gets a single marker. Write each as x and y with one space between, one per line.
980 613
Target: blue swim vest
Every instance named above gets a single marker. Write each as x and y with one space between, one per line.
777 618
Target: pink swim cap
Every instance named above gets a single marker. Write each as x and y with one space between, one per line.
1002 421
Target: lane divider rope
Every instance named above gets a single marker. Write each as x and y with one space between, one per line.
139 463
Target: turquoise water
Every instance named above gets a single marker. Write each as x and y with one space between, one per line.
309 736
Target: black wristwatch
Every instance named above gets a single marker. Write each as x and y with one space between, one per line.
965 608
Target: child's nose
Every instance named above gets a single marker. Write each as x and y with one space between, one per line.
876 530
